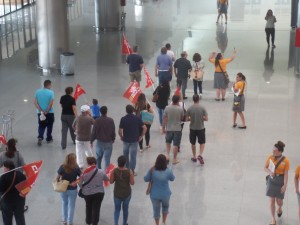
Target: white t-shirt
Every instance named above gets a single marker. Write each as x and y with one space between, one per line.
271 22
171 54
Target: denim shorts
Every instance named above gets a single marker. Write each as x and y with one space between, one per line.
197 134
174 136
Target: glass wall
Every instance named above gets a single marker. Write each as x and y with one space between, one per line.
8 6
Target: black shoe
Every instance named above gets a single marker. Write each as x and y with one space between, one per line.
244 127
194 160
63 148
185 97
49 141
279 214
39 143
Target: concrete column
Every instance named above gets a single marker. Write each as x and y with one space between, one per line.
294 13
52 32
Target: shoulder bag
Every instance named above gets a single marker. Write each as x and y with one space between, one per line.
148 190
196 73
268 176
155 95
60 185
237 101
80 194
225 74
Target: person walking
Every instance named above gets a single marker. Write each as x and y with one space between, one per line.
220 80
136 63
11 153
83 126
170 52
270 27
159 176
297 187
197 114
239 100
43 102
277 167
105 133
68 115
69 171
163 67
197 73
93 191
182 66
131 131
223 6
123 179
163 93
12 203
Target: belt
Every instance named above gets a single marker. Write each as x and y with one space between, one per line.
162 70
277 175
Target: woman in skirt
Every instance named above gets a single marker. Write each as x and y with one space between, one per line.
239 100
277 166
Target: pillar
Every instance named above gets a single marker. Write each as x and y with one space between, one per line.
294 13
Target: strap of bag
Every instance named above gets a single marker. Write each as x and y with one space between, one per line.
86 183
281 159
220 67
8 189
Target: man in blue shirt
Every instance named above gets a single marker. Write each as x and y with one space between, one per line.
136 63
163 68
43 101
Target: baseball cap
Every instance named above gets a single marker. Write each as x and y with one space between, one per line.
84 108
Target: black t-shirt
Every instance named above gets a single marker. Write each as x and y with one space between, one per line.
67 101
134 61
71 177
131 125
183 66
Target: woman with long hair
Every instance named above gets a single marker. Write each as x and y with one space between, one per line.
239 100
198 72
220 81
163 92
11 153
160 192
69 171
270 27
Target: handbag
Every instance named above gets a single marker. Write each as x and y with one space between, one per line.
147 117
155 97
225 74
60 185
80 193
196 73
268 176
148 190
237 101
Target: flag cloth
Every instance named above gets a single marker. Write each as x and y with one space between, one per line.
108 172
126 49
149 81
133 92
32 171
78 91
177 92
2 139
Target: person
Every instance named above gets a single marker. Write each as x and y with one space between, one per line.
239 100
95 109
83 126
297 180
12 154
68 114
93 191
160 175
136 63
123 179
43 102
105 133
140 106
277 166
163 67
197 68
69 171
182 66
163 92
270 27
130 133
223 6
12 203
220 83
173 116
197 114
170 52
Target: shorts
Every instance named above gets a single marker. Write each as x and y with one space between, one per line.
135 76
200 134
174 136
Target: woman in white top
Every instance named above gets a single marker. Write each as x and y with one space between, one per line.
197 73
270 27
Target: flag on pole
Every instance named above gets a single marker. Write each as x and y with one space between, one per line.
133 92
2 139
108 172
149 81
32 171
126 49
78 91
177 92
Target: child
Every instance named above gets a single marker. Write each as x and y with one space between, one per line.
95 109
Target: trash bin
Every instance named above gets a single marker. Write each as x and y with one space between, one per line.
67 63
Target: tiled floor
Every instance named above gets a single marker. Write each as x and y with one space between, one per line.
230 188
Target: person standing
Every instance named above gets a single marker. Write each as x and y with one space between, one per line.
170 52
129 132
197 114
277 166
163 67
68 114
12 203
83 126
270 27
136 63
173 116
123 179
182 66
105 134
297 180
223 6
197 73
163 93
95 108
43 102
69 171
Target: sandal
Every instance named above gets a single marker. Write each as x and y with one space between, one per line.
273 223
244 127
175 162
234 125
217 99
279 213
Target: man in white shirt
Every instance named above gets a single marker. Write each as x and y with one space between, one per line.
170 52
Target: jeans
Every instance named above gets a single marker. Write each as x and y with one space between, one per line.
160 113
147 136
83 149
67 122
157 204
47 123
199 84
164 76
182 83
103 149
13 208
92 208
130 148
68 200
125 205
270 32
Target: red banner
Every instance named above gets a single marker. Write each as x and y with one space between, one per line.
78 91
149 81
2 139
133 92
108 172
126 49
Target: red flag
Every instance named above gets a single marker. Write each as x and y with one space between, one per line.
133 92
2 139
126 49
149 81
78 91
108 172
32 171
177 92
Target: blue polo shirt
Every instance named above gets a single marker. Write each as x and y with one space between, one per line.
131 125
43 97
163 62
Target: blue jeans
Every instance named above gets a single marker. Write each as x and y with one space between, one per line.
160 113
125 205
47 123
164 76
157 204
103 149
68 200
197 84
130 148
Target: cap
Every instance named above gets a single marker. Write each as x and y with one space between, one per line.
84 108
